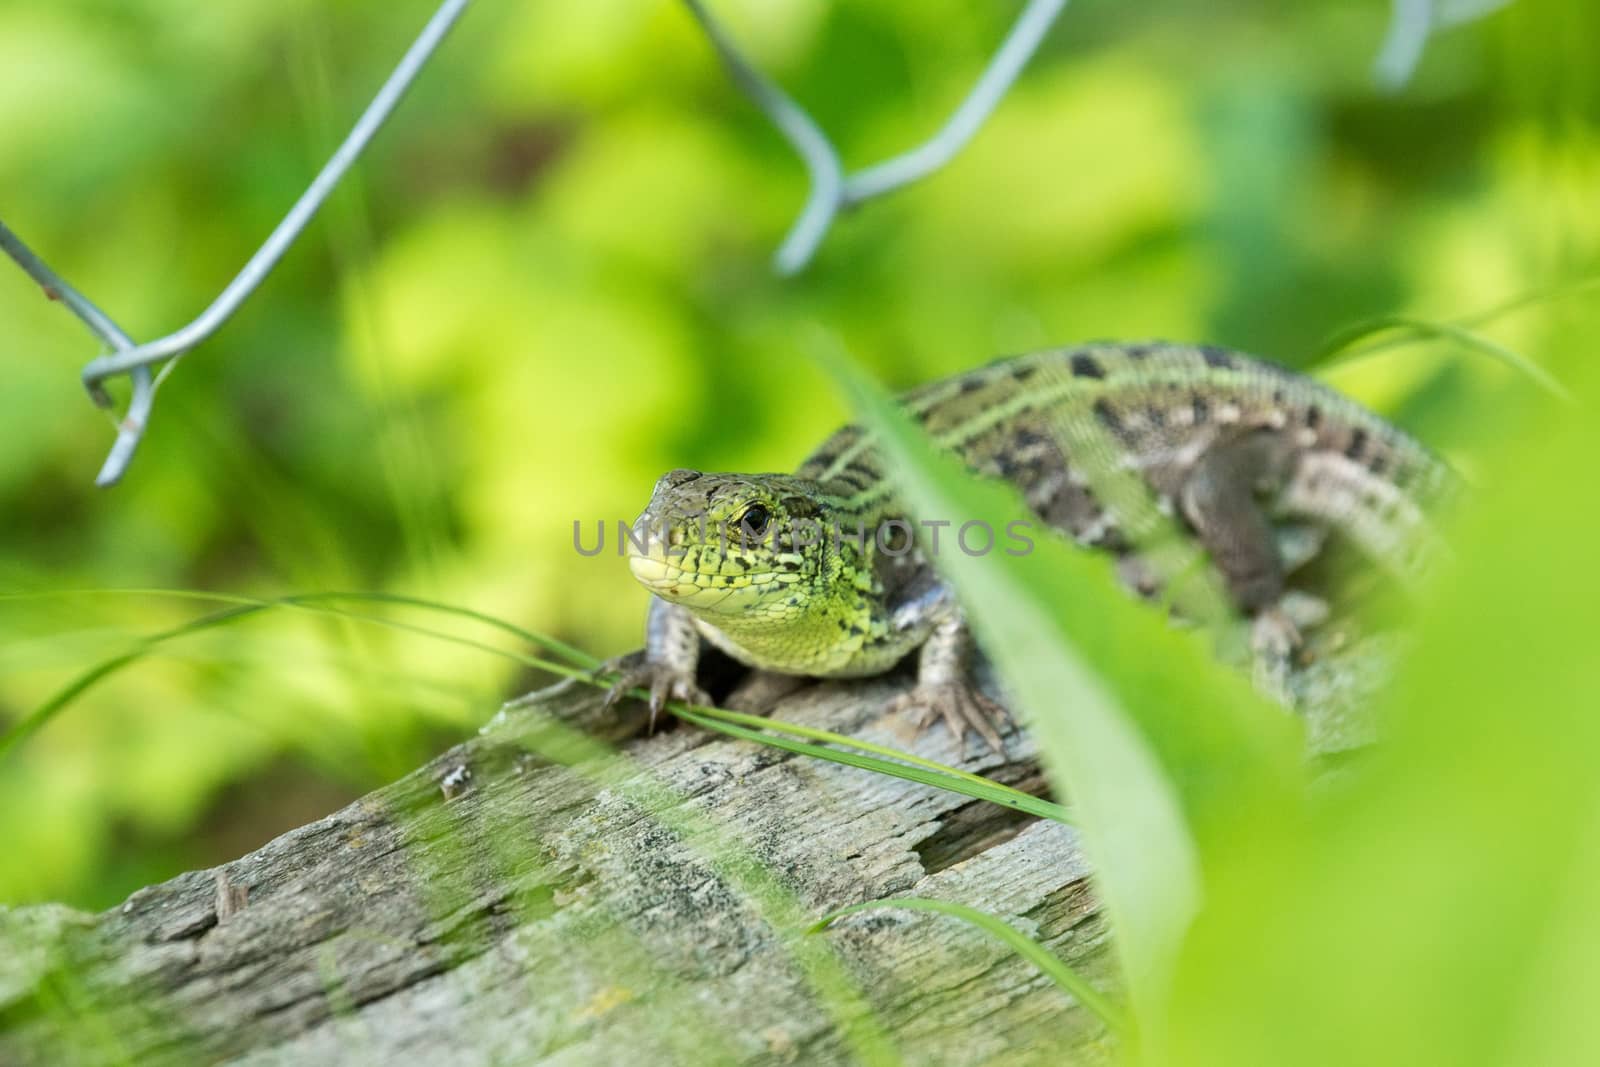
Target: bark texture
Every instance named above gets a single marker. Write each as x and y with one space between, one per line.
518 901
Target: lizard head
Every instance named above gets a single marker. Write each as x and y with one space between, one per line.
737 548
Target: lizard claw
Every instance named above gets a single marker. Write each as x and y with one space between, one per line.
664 683
1275 637
960 704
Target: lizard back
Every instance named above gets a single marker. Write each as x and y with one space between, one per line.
1160 407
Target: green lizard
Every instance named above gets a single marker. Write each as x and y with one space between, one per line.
774 570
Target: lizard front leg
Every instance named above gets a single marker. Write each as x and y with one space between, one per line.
944 687
671 654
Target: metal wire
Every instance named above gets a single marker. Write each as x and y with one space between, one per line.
832 190
135 360
822 162
1018 47
131 428
1411 24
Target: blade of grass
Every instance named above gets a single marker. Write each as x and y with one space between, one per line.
551 644
1347 340
761 722
921 771
1048 962
29 724
1144 857
1137 725
1532 298
1522 302
948 779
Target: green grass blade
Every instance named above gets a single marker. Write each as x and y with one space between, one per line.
31 723
1046 961
948 779
1144 857
1544 295
761 722
242 608
1141 731
734 724
550 644
1346 347
35 720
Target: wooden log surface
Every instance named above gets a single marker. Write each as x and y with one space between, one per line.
516 901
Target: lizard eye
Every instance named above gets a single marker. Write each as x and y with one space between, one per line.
753 523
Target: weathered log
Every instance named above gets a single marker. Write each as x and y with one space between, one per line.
503 906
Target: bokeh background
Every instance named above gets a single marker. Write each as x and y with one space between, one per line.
549 281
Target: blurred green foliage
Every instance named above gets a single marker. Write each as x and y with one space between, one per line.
548 282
